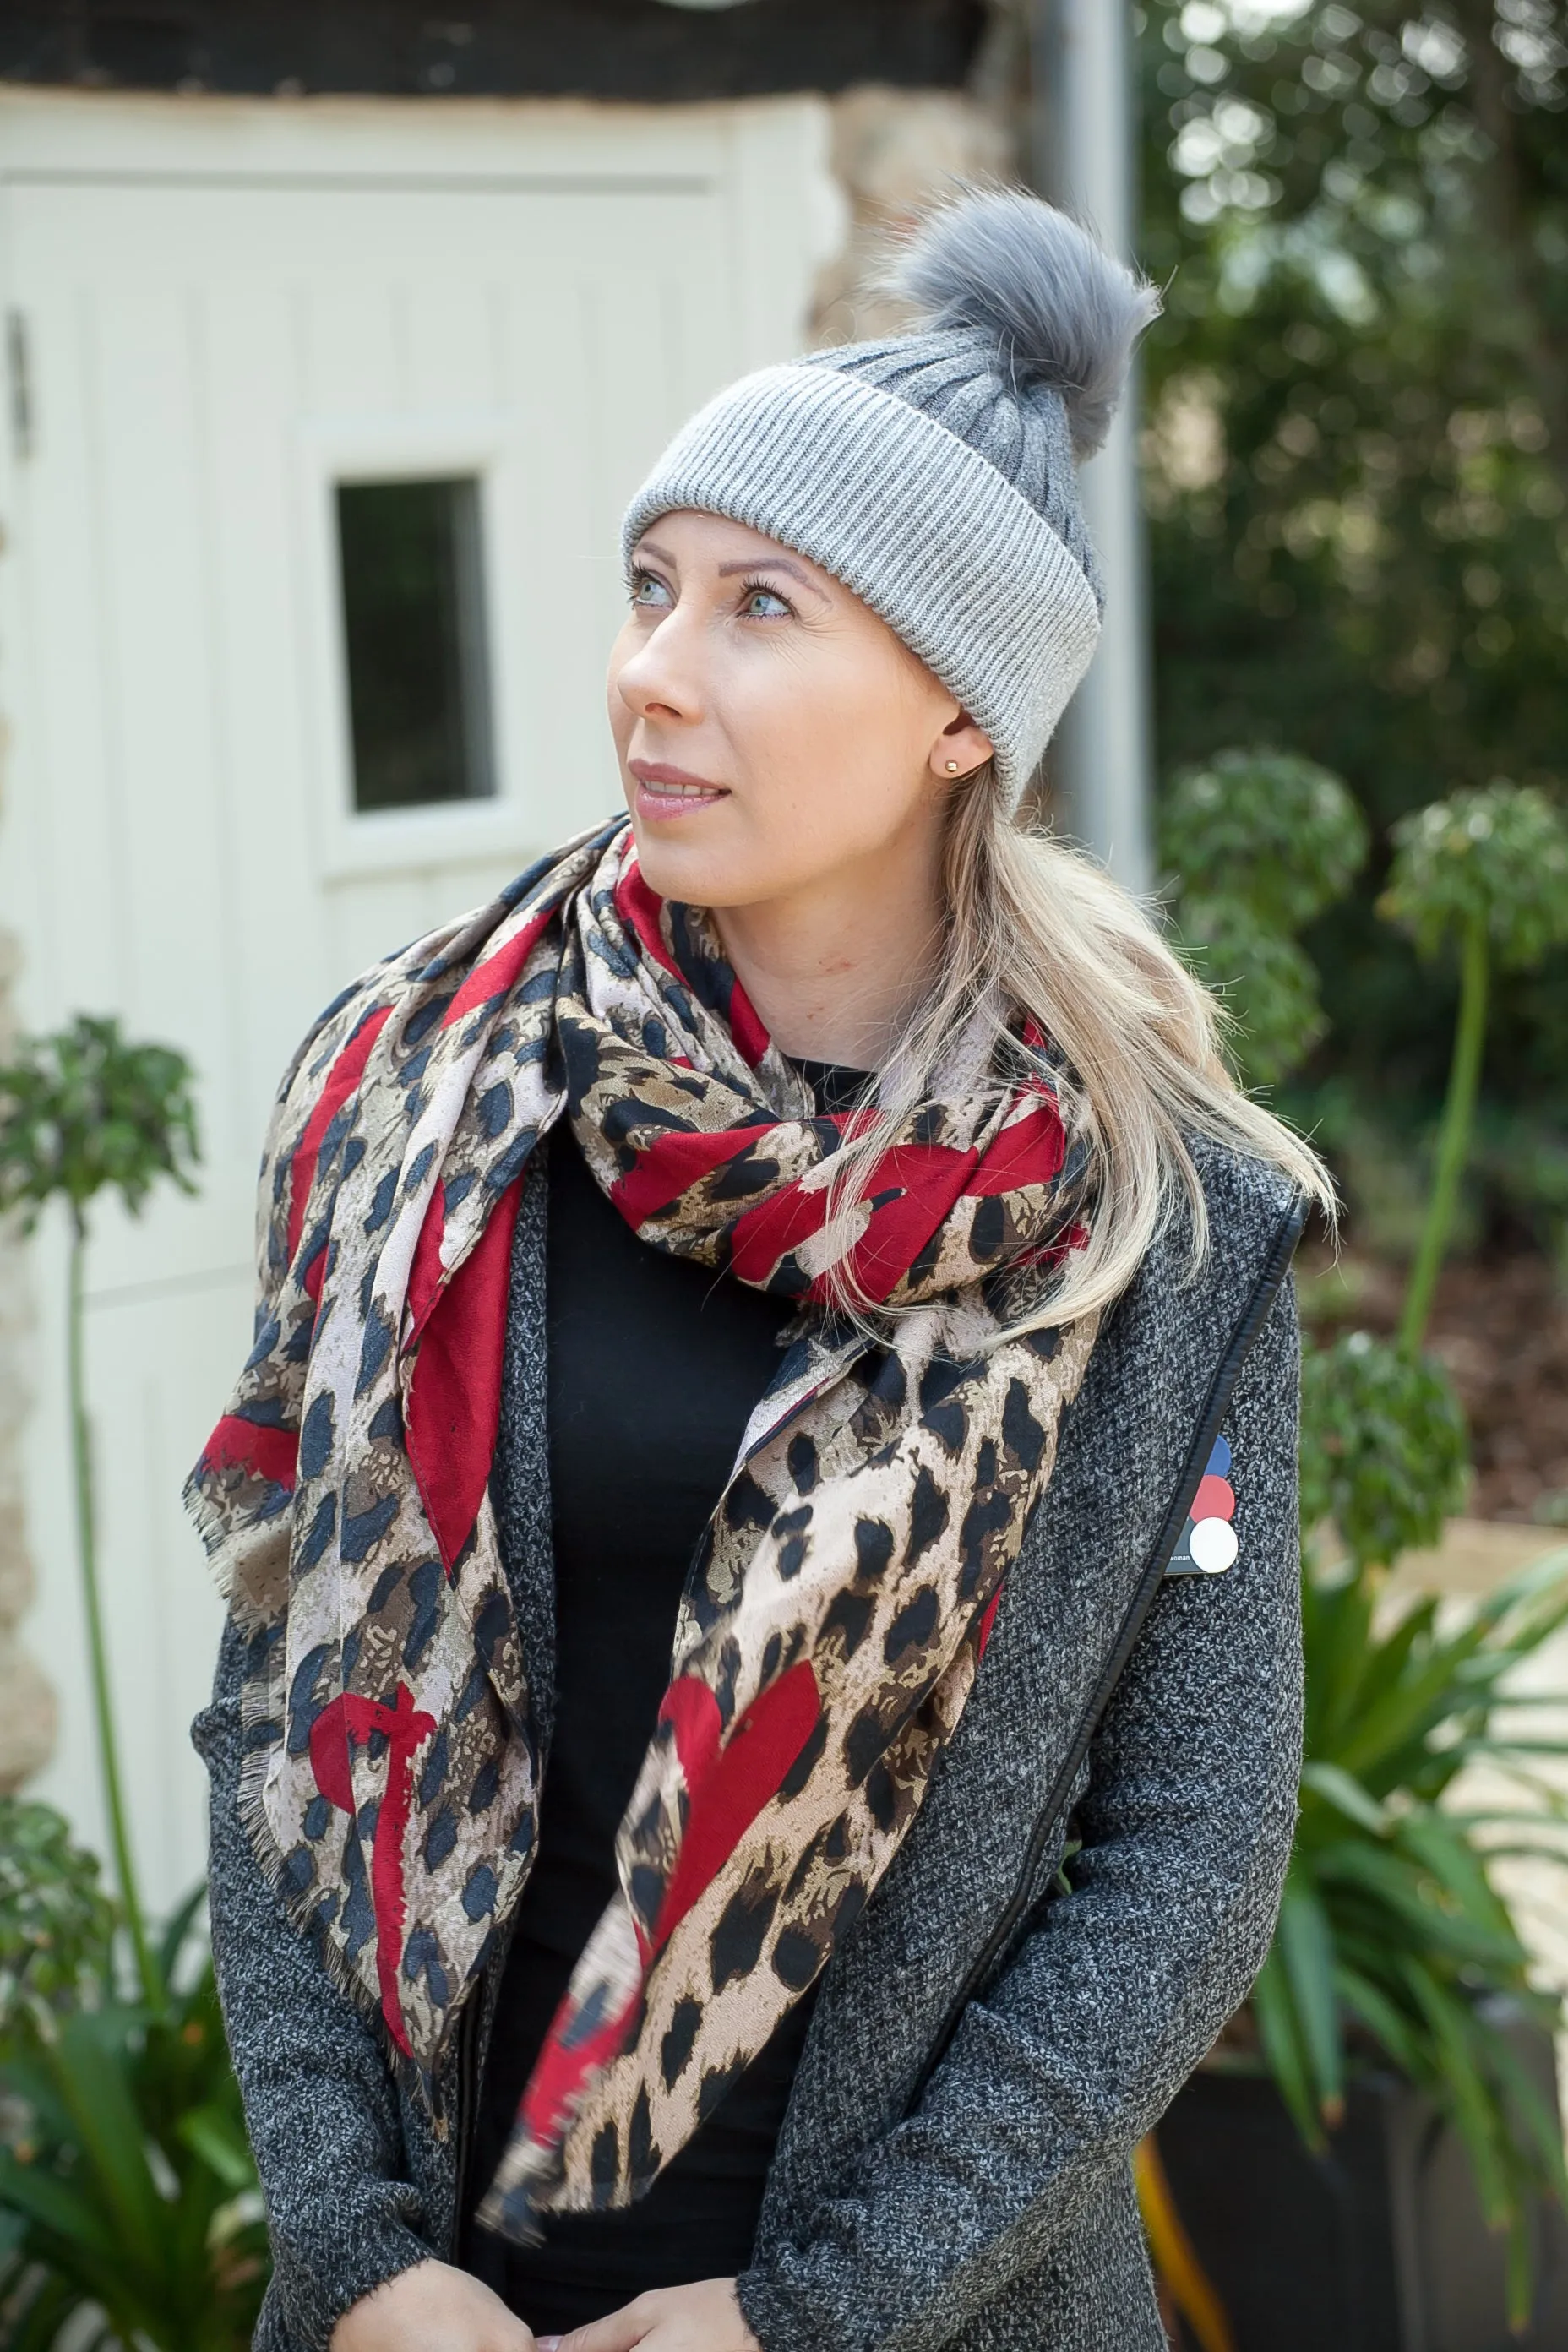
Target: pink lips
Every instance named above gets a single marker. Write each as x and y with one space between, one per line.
665 791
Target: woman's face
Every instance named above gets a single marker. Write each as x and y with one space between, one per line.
773 733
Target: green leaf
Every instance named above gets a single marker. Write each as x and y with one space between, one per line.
69 2214
1382 2018
1450 2020
1441 1847
1341 1789
1419 1704
1336 1624
172 1943
88 2070
1284 2048
1410 1918
1528 2109
221 2146
1305 1944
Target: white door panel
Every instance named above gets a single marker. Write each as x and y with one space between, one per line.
227 307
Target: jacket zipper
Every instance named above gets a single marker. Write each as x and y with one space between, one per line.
1024 1898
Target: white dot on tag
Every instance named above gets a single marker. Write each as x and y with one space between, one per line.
1213 1544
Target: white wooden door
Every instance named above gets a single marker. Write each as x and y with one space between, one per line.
219 310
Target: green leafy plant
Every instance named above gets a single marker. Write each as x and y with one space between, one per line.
1267 982
1357 443
1384 1450
130 2213
56 1925
1277 834
83 1113
1258 843
1394 1946
1488 869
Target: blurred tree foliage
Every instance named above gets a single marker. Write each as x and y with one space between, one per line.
1256 845
1357 449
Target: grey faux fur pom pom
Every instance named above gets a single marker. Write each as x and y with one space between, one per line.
1063 312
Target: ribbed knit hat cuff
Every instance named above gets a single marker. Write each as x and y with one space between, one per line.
922 528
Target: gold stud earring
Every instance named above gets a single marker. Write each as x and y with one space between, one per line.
952 767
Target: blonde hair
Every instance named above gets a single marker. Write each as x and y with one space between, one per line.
1034 927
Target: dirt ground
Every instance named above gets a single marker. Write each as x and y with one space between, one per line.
1500 1326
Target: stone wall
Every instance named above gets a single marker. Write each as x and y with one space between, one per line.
894 151
27 1702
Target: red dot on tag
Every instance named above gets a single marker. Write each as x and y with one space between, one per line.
1215 1499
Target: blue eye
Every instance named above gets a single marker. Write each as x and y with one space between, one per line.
765 604
648 592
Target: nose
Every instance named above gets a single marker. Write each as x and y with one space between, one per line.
660 679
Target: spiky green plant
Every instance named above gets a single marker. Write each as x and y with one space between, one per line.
1394 1941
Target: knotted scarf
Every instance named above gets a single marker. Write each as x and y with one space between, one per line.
837 1612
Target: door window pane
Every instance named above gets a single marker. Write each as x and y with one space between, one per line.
414 622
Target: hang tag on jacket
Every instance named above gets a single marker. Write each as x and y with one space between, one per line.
1207 1545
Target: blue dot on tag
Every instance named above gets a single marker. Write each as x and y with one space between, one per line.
1219 1460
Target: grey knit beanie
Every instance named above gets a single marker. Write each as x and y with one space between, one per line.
934 473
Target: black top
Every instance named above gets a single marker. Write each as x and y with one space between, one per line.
654 1367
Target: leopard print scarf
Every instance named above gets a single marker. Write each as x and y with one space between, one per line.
837 1612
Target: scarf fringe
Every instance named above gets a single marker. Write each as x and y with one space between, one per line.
209 1515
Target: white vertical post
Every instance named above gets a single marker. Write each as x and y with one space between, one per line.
1083 157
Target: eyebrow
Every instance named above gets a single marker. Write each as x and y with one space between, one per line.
747 564
772 563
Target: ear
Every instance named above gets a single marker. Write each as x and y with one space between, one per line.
960 748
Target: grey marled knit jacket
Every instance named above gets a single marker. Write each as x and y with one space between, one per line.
953 2170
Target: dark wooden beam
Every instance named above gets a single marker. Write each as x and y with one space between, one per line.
629 49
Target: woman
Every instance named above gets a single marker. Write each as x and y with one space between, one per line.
744 1319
